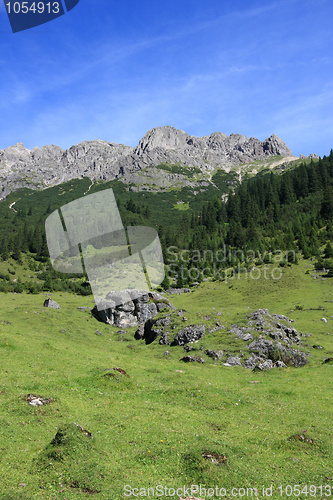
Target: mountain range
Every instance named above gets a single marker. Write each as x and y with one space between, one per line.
165 157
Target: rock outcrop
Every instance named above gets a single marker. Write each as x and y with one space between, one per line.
275 346
134 308
267 341
167 333
100 160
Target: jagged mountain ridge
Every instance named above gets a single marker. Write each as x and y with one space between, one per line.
100 160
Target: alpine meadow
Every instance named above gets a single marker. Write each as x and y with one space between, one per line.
218 383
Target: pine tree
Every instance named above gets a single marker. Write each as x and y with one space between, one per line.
327 203
313 178
328 251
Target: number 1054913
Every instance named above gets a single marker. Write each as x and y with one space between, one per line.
34 8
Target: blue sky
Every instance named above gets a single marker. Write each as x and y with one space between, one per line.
113 71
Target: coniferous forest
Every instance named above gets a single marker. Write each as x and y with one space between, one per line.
290 212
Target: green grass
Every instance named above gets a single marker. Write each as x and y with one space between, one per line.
179 169
152 427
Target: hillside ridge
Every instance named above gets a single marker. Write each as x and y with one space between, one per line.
101 160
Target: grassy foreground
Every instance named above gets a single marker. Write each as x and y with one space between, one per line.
152 427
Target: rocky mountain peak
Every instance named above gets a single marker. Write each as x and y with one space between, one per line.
97 159
275 146
162 137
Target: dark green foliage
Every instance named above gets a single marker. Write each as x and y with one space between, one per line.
328 251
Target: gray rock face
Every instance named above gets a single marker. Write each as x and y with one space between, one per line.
100 160
136 307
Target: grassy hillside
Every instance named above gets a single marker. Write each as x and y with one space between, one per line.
153 426
122 414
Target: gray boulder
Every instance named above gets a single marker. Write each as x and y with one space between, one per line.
275 351
264 365
214 354
134 307
262 346
251 362
188 348
124 319
104 316
144 311
51 303
232 361
122 297
196 359
189 334
298 358
163 329
154 328
280 364
140 332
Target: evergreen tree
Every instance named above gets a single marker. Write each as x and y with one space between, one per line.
328 251
327 203
313 178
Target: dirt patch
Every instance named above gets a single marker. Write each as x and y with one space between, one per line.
215 458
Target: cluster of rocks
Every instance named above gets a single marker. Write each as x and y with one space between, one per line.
275 346
130 307
178 291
